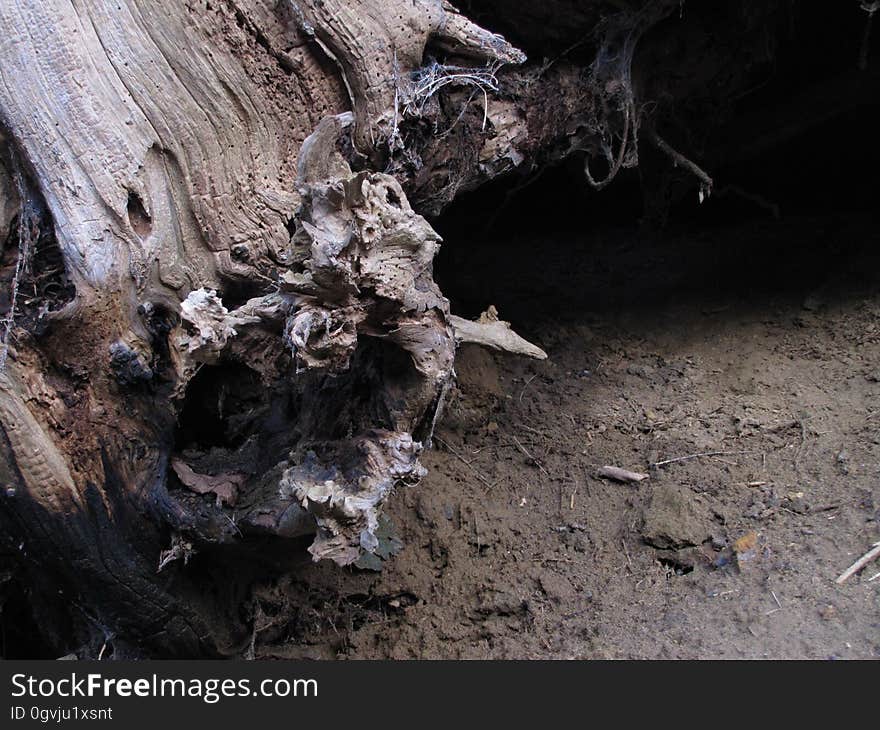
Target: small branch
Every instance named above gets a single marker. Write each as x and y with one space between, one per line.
464 461
681 161
523 391
872 554
700 455
495 334
620 475
534 460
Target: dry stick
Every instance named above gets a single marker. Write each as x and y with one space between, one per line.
701 454
826 508
626 552
680 159
872 554
552 560
528 382
533 430
464 461
537 463
620 475
800 448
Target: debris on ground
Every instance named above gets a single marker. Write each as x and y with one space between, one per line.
675 519
620 475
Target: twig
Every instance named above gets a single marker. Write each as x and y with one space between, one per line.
552 560
800 448
859 564
528 382
536 462
108 637
464 461
533 430
626 552
827 507
620 475
701 454
682 161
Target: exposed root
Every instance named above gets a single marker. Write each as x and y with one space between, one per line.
617 163
681 161
363 270
611 81
373 79
427 81
489 331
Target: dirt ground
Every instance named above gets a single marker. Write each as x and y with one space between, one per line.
761 341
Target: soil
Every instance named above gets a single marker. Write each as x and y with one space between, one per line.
757 342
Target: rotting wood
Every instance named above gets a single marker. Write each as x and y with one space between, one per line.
235 194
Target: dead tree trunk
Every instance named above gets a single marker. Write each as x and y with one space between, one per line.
221 329
221 325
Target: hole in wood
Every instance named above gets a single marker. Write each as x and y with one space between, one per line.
140 221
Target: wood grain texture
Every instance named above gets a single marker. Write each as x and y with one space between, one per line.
215 176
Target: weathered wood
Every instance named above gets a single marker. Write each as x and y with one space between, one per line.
215 237
489 331
237 345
